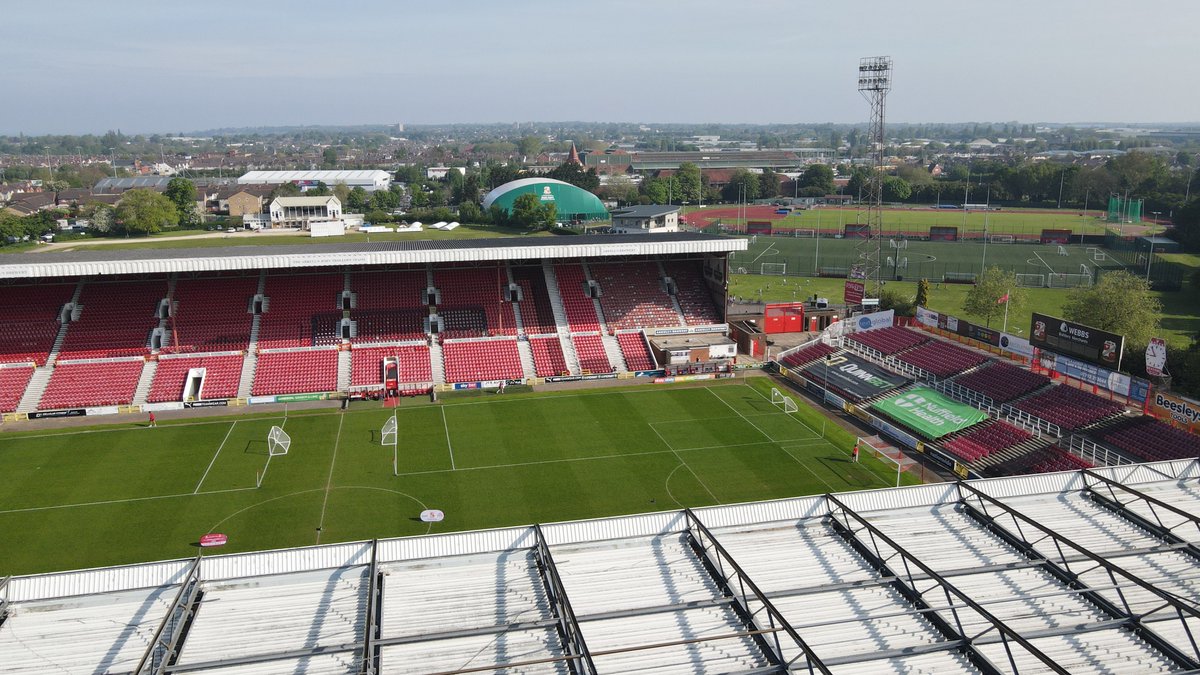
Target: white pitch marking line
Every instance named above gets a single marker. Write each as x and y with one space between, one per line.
1039 257
675 452
768 436
124 501
793 417
329 481
449 447
214 457
809 469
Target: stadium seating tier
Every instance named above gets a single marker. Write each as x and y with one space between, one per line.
296 372
86 384
482 360
12 386
221 377
366 364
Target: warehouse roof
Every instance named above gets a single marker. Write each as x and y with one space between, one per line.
159 261
327 177
1088 571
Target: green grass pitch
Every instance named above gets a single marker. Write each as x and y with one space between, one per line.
121 494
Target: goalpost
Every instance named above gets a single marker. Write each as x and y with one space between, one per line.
776 269
804 232
784 403
1062 250
1065 280
389 433
881 454
1031 280
278 443
1001 238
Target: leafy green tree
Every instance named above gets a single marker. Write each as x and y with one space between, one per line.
688 180
896 189
283 190
985 299
530 212
890 298
733 189
922 293
329 158
660 190
102 218
145 212
576 175
182 193
319 190
859 183
819 176
1187 226
768 184
358 200
341 191
1118 302
529 146
470 212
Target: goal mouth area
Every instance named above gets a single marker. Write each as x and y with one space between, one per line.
278 442
784 403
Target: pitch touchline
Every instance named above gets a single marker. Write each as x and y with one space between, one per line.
794 419
449 447
126 501
683 463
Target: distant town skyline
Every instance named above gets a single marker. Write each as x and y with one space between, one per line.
148 67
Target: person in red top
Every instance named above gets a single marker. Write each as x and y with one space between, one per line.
153 422
854 452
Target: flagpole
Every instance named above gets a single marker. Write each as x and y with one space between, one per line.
1007 299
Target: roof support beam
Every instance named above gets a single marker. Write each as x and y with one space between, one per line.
891 559
370 653
164 646
4 599
750 604
1108 493
1014 527
568 626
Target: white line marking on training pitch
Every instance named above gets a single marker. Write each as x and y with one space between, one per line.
799 421
329 481
1039 257
683 463
449 447
768 436
214 458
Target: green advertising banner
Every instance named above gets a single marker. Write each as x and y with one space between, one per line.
929 412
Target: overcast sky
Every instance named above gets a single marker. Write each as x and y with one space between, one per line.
150 66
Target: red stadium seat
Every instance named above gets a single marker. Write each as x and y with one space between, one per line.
303 311
580 309
296 372
86 384
631 296
636 352
592 357
12 386
212 314
29 321
221 377
482 360
366 364
116 319
548 359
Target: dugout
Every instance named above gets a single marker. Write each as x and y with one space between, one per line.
1157 244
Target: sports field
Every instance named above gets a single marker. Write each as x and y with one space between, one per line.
915 220
808 256
119 494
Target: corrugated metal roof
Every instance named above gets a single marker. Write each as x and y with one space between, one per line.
158 261
915 579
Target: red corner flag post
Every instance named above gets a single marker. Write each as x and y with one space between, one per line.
1004 300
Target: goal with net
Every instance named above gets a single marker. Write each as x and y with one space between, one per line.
1062 250
1065 280
784 403
388 436
1001 238
883 452
278 443
805 233
1031 280
776 269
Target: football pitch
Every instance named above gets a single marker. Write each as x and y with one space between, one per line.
806 256
119 494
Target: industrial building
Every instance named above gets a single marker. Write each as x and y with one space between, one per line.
369 180
648 219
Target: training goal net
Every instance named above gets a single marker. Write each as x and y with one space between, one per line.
278 442
1062 250
1001 238
1031 280
804 233
1066 280
776 269
784 403
885 453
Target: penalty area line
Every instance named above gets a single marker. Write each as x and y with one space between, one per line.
214 457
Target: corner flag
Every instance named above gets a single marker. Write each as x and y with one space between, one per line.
1003 299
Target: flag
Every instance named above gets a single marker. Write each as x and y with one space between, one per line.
1003 299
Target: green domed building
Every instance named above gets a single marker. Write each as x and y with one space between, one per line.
574 204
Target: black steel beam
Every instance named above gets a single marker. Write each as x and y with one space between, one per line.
568 626
4 599
736 588
164 644
1156 526
904 584
1062 571
370 654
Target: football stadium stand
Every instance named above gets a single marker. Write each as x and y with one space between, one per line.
302 311
636 351
941 358
976 576
471 302
367 364
388 306
116 319
548 359
580 309
298 371
1002 382
13 381
592 357
888 340
694 298
211 315
632 296
1067 407
537 314
983 440
221 373
29 321
1150 440
807 355
482 360
80 384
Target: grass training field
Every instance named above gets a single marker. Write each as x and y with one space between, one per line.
931 260
119 494
915 219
